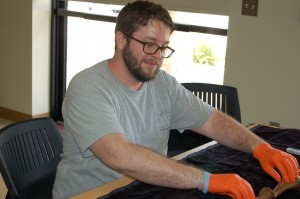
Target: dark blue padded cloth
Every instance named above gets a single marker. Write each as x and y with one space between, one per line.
221 159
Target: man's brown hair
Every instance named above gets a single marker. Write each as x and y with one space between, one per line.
139 13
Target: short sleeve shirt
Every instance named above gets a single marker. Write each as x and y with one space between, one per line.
97 104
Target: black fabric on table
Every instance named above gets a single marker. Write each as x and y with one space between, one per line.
221 159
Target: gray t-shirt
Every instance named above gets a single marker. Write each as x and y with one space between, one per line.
97 104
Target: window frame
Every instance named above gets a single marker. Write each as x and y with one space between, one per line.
59 48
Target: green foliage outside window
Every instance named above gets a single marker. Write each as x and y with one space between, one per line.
203 54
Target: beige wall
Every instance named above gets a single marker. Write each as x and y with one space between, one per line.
263 61
25 56
15 56
262 56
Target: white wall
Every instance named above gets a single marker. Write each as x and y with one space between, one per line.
41 45
263 61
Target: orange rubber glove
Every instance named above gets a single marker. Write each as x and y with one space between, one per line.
230 184
270 157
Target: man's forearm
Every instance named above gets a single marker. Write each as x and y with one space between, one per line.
229 132
145 165
153 168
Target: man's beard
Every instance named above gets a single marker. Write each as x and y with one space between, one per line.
135 68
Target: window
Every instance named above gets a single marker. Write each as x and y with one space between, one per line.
199 42
89 41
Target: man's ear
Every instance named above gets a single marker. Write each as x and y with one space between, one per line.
120 40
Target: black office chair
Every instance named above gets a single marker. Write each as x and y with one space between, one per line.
29 153
223 98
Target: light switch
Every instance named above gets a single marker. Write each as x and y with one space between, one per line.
250 7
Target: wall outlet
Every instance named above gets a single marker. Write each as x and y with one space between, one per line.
250 7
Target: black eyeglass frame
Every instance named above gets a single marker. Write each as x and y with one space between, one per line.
158 47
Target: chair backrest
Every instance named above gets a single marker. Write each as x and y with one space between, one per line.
29 153
223 98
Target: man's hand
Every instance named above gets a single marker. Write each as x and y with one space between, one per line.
230 184
270 157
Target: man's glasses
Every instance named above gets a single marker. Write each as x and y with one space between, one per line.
151 48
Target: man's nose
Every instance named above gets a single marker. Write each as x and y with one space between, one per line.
158 53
